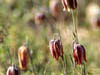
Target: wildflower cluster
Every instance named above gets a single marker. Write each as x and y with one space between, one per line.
55 45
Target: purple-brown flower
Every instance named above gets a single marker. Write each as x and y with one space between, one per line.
23 56
64 2
40 18
79 53
69 4
56 48
13 70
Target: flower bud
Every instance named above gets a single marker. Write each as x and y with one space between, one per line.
79 53
56 48
13 70
23 56
69 4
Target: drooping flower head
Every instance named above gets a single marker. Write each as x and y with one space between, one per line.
56 48
79 53
23 56
69 4
13 70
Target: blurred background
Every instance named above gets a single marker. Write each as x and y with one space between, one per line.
39 20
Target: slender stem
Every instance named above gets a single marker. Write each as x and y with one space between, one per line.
64 66
83 69
44 73
74 17
73 65
30 56
57 36
32 65
9 55
8 24
74 22
75 26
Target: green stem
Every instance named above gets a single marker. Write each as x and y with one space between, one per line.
9 55
74 22
73 65
83 69
8 24
75 26
32 65
64 66
30 56
45 69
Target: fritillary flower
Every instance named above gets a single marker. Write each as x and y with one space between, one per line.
69 4
79 53
13 70
56 48
23 56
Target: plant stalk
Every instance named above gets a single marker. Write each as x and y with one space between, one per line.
75 25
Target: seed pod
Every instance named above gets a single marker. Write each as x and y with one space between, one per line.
13 70
79 53
23 56
69 4
39 18
56 48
